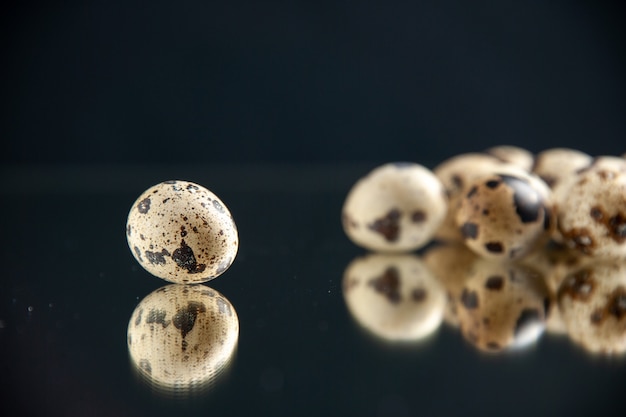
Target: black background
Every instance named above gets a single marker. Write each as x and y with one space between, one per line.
277 107
318 81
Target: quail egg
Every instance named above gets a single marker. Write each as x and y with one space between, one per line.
502 306
182 337
504 216
592 301
513 155
397 207
181 232
554 166
394 296
592 216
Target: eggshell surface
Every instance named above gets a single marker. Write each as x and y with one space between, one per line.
181 232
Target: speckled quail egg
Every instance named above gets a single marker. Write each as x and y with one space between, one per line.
554 166
592 301
592 217
456 174
394 296
505 216
513 155
182 336
181 232
502 306
450 263
396 207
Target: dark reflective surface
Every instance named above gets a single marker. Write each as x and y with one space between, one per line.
70 285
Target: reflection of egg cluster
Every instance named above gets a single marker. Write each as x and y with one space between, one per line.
181 337
514 231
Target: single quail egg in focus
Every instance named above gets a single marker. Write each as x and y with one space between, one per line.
592 301
181 232
395 297
505 216
397 207
182 337
502 306
513 155
592 216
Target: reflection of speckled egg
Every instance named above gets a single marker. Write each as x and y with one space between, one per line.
513 155
182 336
505 216
502 306
395 297
396 207
592 216
182 232
555 261
450 263
592 301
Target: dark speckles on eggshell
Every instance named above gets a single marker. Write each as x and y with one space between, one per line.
388 226
528 202
157 316
615 225
494 247
493 184
418 216
494 283
469 299
615 307
138 254
157 258
185 258
138 318
388 285
144 205
185 318
418 295
579 285
469 230
472 192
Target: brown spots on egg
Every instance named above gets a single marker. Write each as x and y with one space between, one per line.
615 307
138 253
185 258
494 247
494 283
579 286
580 239
388 285
418 216
388 225
144 206
469 299
185 318
469 230
615 225
157 258
418 295
157 316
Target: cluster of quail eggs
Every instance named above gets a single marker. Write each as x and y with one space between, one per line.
518 244
182 336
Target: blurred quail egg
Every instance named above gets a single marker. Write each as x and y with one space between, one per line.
554 166
182 337
181 232
592 216
396 207
395 297
450 263
592 301
513 155
502 306
504 216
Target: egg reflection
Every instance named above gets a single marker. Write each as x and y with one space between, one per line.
395 297
450 263
592 301
502 306
182 337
